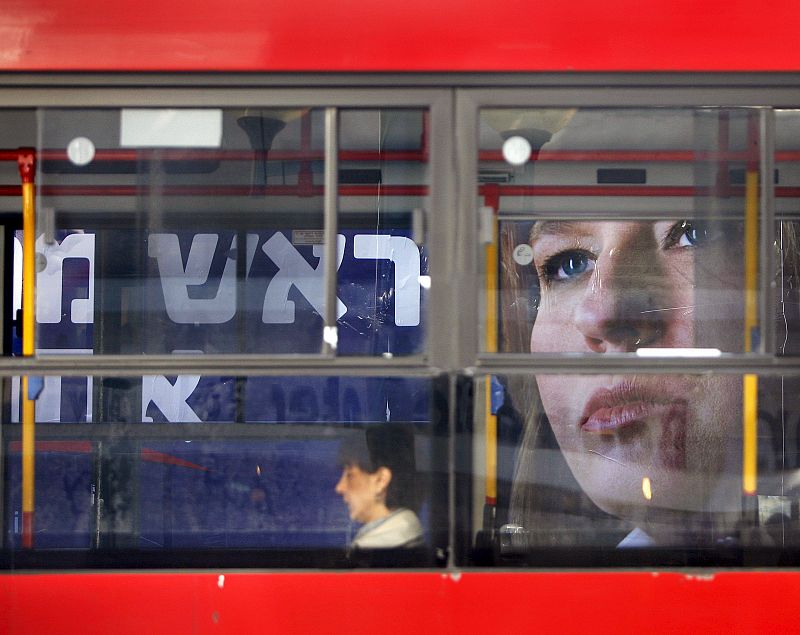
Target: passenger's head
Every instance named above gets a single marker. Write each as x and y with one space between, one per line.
379 471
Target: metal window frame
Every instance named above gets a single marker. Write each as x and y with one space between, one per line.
47 82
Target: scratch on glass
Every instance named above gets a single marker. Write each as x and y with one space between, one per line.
606 457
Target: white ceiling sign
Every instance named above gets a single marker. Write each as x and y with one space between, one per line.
171 128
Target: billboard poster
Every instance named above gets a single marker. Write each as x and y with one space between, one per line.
188 297
191 292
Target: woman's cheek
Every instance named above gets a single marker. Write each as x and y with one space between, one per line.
553 331
555 391
539 338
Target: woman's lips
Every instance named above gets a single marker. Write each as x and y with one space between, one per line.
612 419
611 409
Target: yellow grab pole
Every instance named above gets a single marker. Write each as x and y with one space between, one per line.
750 382
492 199
27 166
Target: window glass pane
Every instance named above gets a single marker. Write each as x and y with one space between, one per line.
140 224
787 210
633 461
17 130
384 185
612 230
320 470
181 231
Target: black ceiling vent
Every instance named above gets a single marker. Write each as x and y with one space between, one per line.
360 177
616 176
736 176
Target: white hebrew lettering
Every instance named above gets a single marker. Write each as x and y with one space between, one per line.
48 405
294 270
404 253
169 399
50 282
17 284
175 280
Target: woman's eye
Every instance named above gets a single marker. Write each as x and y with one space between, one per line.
688 234
691 235
567 265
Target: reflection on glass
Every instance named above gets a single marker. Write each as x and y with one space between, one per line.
384 183
234 462
630 229
167 241
787 161
187 231
379 485
636 234
615 287
647 460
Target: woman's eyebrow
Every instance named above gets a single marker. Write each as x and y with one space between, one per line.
557 228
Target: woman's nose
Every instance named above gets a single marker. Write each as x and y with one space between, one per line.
339 489
618 312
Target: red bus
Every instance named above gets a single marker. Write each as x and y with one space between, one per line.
367 317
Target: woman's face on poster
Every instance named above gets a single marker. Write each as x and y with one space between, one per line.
650 444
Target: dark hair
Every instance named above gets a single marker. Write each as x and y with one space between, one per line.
389 445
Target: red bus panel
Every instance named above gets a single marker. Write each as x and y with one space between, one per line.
283 35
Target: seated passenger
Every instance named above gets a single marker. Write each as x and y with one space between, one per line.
379 487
